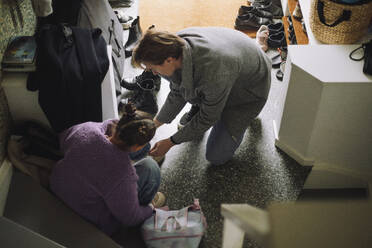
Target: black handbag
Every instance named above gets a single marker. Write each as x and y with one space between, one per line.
367 56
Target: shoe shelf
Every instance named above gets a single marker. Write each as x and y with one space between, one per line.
301 36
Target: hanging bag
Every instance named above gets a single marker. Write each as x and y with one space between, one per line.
333 22
182 228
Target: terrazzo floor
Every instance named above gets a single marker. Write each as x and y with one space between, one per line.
258 174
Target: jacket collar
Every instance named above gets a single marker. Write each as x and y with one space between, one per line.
187 72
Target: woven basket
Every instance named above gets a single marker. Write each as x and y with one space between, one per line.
337 23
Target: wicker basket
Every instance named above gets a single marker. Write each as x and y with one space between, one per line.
336 23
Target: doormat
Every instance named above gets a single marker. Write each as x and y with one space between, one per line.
174 15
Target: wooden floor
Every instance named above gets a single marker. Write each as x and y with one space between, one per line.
174 15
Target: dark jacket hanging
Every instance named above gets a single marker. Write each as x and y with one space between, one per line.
71 65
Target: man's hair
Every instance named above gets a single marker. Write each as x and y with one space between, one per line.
134 127
156 46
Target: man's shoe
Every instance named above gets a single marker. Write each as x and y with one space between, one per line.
253 10
188 116
159 200
145 81
250 21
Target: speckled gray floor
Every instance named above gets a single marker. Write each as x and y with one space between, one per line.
258 174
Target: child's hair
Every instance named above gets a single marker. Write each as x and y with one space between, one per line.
134 127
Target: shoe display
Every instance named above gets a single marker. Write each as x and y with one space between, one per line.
188 116
159 200
262 36
250 21
277 40
145 81
267 5
253 10
135 34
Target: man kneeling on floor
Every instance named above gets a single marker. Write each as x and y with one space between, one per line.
220 70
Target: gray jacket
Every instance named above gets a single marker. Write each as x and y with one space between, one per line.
225 73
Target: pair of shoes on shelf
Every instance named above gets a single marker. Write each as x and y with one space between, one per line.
159 200
243 10
249 21
250 17
188 116
268 6
276 35
144 87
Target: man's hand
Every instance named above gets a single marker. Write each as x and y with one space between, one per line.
157 123
161 148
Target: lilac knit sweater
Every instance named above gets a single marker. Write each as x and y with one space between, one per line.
96 179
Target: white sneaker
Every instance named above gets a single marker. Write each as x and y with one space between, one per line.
261 37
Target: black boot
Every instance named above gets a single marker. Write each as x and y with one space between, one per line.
146 80
143 97
135 33
145 100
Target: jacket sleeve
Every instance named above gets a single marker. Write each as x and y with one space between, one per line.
172 106
124 204
215 92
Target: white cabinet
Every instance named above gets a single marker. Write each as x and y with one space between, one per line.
327 113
